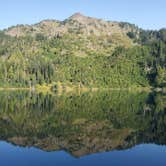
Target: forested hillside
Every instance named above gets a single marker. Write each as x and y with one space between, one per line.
82 51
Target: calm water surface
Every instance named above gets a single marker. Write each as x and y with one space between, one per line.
101 128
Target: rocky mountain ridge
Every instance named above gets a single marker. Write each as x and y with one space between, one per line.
77 23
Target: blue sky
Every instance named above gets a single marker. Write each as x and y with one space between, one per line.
147 14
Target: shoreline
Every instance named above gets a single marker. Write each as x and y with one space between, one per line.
13 88
81 89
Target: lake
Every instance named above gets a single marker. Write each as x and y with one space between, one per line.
91 128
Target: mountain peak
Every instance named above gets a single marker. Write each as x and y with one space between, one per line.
78 17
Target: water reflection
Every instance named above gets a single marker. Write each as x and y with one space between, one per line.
82 124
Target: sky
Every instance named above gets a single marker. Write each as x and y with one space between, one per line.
147 14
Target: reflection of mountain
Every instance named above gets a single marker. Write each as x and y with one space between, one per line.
82 124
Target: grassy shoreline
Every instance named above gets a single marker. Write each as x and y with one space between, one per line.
14 88
66 89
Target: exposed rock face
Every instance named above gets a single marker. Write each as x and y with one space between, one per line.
77 23
80 18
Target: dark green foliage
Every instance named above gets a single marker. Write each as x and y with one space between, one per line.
40 37
131 35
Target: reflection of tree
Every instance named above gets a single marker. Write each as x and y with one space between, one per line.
82 124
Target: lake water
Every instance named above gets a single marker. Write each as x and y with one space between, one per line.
92 128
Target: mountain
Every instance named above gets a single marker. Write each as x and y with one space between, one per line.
77 23
82 51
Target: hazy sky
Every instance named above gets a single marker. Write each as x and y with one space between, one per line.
148 14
